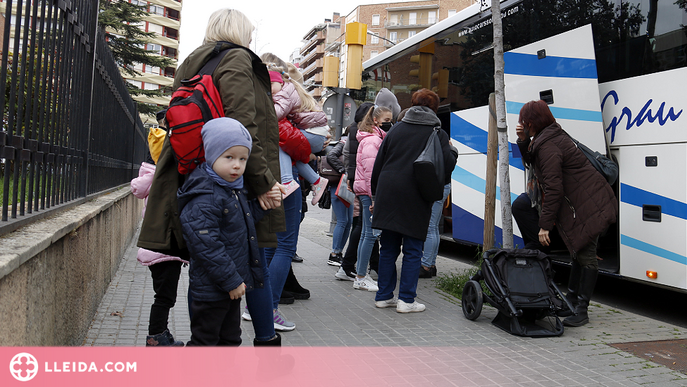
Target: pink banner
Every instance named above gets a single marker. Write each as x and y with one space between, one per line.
243 366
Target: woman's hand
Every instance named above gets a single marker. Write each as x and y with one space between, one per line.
520 132
372 208
272 198
238 292
544 237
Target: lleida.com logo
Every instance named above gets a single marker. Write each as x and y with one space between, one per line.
23 367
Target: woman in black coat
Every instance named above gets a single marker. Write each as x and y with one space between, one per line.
399 209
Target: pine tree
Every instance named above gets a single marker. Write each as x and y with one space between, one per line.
121 20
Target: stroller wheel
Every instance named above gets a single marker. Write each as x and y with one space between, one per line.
472 300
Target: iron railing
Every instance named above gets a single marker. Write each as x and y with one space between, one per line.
69 129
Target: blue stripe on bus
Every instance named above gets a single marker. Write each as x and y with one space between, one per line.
476 138
561 113
551 66
639 197
651 249
470 228
475 182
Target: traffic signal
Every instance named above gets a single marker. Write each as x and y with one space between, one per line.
331 71
424 59
356 36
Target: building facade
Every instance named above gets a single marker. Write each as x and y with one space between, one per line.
318 42
387 25
164 19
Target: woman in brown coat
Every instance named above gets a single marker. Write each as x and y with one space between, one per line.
576 199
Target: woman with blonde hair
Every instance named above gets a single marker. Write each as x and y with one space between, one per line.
243 83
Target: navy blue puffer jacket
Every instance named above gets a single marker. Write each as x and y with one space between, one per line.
219 228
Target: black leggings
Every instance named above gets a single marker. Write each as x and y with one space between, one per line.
165 281
351 255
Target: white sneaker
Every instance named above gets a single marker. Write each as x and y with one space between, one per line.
281 324
342 275
246 314
404 307
386 303
365 283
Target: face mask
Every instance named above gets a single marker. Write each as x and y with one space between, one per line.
385 126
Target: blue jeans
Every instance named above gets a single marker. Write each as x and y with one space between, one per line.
390 248
431 249
316 141
367 237
344 218
279 259
259 302
305 170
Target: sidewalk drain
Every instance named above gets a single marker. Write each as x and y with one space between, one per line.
670 353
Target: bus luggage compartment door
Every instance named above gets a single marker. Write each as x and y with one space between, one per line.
653 213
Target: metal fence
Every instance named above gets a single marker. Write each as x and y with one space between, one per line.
69 128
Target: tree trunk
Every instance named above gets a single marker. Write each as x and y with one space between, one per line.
504 175
492 168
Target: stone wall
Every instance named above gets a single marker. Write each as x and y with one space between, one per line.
54 273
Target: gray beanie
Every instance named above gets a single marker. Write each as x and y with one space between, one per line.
387 99
221 134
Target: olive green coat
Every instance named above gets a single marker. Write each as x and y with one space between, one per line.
243 82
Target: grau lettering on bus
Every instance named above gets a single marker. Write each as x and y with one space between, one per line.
645 113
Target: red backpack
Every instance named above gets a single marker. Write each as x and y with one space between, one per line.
194 103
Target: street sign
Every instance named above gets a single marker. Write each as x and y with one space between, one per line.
330 108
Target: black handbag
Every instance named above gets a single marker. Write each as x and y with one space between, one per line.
325 201
428 169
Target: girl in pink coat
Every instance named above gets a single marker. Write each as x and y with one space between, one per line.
370 137
292 102
164 269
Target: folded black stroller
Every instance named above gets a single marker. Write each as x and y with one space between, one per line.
520 285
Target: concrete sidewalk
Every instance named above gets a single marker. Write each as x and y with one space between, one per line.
338 315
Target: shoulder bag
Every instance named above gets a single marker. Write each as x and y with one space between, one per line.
428 169
607 167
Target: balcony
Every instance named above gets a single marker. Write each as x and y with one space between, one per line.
312 42
314 66
317 53
421 22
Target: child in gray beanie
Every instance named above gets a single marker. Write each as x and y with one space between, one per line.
218 223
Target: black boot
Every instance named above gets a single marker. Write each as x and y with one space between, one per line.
586 288
286 298
573 286
273 342
164 339
292 286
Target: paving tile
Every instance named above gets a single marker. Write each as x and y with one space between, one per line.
473 353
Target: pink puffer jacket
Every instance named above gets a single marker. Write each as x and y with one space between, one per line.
368 146
286 101
140 187
307 120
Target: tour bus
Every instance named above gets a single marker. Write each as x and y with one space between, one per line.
614 75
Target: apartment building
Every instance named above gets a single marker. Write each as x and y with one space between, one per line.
164 19
317 42
387 25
